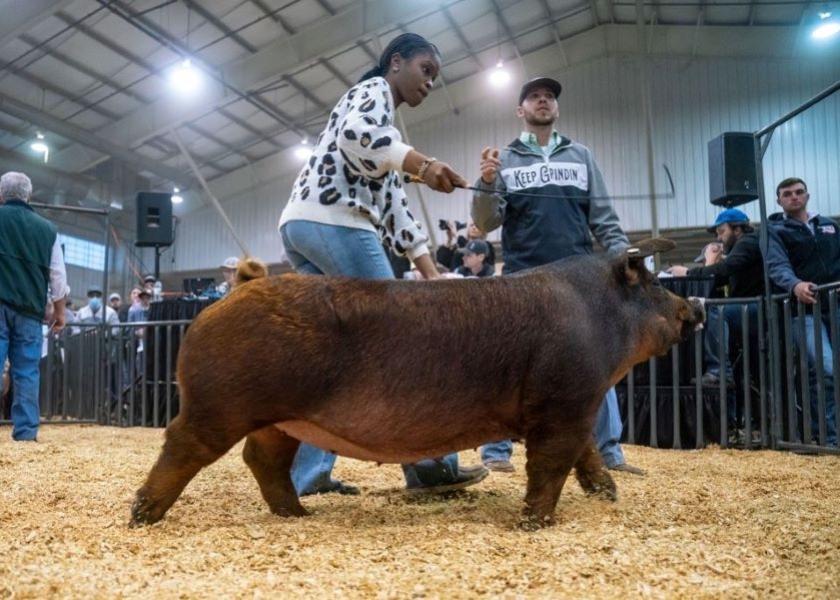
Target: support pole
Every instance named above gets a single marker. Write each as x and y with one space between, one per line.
214 201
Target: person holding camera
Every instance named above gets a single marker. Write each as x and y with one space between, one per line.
449 255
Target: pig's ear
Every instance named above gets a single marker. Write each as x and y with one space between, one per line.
628 271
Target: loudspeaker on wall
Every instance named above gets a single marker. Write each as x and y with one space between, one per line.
154 219
732 175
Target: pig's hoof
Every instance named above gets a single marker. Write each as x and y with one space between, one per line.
289 511
530 522
143 512
600 485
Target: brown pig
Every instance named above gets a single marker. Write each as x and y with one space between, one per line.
354 367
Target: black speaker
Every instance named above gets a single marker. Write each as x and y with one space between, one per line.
732 177
154 219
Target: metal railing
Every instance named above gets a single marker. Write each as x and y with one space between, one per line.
718 390
121 374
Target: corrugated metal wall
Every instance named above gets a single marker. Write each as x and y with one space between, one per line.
693 101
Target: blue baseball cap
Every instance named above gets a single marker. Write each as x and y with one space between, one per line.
733 216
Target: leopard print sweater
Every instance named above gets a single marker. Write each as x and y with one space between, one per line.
353 177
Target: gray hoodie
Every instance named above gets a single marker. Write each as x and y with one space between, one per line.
556 222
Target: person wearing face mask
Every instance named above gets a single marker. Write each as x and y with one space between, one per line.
347 201
92 311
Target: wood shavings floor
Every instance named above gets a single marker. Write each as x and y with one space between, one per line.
705 523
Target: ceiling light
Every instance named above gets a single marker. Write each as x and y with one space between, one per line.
184 78
499 77
40 146
824 15
826 30
176 190
303 152
176 199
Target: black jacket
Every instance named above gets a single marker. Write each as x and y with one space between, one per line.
742 269
797 255
486 271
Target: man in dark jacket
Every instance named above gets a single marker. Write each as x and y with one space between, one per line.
31 265
449 254
742 272
548 196
805 252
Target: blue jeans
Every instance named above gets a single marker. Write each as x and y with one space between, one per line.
318 249
20 341
828 376
607 435
731 314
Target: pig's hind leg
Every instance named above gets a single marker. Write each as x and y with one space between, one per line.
269 454
592 476
188 449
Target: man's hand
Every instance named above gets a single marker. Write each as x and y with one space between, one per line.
713 254
804 292
678 271
490 164
442 178
59 321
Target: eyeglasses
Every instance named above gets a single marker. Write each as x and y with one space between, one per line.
798 192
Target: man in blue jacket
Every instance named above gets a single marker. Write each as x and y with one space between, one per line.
31 264
568 204
805 252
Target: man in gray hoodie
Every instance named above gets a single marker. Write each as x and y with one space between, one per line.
560 202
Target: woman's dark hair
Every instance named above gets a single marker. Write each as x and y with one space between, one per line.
406 45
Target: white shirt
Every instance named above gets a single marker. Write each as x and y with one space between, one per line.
58 274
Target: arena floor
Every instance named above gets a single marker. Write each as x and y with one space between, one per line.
707 523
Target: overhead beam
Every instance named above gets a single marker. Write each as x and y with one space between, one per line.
43 175
284 56
25 14
220 25
95 141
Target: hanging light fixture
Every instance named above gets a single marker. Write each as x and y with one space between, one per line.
827 27
40 146
499 76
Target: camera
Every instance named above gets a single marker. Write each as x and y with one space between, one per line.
444 225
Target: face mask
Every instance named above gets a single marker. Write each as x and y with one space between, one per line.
95 304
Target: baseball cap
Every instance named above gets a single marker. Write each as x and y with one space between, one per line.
113 296
475 247
546 82
230 262
733 216
149 278
144 292
94 291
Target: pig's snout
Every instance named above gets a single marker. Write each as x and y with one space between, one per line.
697 317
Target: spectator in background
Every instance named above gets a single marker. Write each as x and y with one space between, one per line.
31 266
149 282
448 255
570 205
134 298
115 302
92 311
475 260
741 271
228 268
805 252
139 311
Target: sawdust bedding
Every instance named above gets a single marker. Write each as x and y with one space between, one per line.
700 524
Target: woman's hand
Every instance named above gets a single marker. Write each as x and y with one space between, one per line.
442 178
426 267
